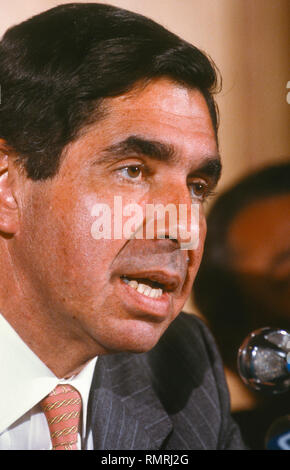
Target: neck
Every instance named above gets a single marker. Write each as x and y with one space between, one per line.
65 357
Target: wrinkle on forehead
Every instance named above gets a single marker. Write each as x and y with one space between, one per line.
163 95
161 109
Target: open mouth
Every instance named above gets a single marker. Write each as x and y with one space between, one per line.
146 287
149 293
152 284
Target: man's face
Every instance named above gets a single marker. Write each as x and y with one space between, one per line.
155 145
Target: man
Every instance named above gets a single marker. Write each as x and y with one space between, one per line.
98 104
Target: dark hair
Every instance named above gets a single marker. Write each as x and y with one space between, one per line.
216 289
56 68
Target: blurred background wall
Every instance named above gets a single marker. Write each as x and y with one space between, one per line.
249 42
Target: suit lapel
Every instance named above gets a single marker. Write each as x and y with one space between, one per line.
125 411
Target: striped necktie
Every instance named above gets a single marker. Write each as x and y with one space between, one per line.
62 408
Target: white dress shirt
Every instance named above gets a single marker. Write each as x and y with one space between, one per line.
25 381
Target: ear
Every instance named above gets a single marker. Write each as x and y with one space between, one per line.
8 203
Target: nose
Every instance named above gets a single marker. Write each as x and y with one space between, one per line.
171 213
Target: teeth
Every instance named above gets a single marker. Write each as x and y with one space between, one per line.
133 284
144 288
141 288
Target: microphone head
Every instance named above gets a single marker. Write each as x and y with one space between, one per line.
264 360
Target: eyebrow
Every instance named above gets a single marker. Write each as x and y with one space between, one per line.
135 145
159 151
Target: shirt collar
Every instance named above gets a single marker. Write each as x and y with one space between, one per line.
25 379
82 382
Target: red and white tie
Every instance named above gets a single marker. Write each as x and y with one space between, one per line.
62 408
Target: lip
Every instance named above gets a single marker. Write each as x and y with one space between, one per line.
139 305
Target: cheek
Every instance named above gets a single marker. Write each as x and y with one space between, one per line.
56 233
94 232
85 259
196 255
202 231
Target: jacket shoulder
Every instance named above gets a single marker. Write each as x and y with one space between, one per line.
190 340
188 377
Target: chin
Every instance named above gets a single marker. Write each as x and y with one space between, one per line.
135 337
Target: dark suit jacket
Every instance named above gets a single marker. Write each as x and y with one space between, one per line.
173 397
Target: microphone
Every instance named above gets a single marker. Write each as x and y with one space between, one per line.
264 360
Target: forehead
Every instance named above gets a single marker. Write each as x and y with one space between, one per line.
161 100
159 110
164 94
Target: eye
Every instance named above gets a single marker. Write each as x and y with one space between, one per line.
199 190
131 173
